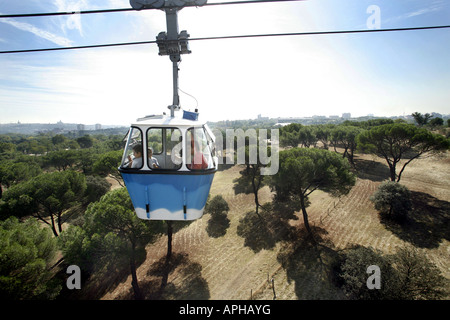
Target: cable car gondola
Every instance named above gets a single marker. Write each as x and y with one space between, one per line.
168 164
172 167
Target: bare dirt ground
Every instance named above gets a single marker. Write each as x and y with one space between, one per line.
257 265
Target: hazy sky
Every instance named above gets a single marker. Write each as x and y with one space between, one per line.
388 73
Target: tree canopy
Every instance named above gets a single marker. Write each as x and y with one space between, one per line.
421 119
304 170
294 134
345 136
393 199
111 232
26 252
398 141
405 275
45 196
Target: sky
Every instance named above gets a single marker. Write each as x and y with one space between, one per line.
383 73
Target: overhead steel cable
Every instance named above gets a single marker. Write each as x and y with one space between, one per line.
234 37
319 33
80 47
28 15
48 14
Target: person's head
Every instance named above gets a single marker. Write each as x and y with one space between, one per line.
150 152
137 150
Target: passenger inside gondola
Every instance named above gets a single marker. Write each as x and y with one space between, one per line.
152 161
136 162
196 146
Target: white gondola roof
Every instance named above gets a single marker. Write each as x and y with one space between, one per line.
167 121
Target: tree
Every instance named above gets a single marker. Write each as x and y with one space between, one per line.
294 134
302 171
86 159
435 122
31 145
345 136
7 147
418 278
79 249
251 179
107 163
398 141
258 159
26 252
352 274
59 139
289 135
392 199
307 136
85 141
16 172
323 133
420 119
62 159
47 195
111 232
404 275
172 227
96 187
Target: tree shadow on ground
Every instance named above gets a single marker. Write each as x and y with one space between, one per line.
426 225
218 225
372 170
193 286
311 264
100 282
263 231
94 286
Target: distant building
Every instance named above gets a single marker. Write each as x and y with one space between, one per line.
81 127
346 115
98 126
262 118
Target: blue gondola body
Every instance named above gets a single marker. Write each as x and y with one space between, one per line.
168 196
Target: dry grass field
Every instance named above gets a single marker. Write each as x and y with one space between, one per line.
251 262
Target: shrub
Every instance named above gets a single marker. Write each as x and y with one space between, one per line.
405 275
352 274
392 199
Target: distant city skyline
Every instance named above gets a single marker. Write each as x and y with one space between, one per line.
99 126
